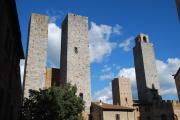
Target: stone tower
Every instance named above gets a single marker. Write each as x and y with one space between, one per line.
145 67
75 59
121 92
35 66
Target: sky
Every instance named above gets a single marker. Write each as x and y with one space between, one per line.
113 25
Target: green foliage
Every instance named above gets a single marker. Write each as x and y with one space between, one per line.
55 103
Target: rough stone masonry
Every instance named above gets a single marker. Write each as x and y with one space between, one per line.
35 66
75 60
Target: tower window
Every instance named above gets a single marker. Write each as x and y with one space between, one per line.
76 50
126 100
81 95
144 39
117 117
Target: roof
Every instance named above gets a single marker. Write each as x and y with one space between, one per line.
111 107
177 73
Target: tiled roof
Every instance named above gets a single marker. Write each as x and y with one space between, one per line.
106 106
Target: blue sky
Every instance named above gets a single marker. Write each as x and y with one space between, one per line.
115 23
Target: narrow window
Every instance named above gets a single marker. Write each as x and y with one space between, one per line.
76 50
117 117
126 100
81 95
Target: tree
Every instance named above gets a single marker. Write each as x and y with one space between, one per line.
55 103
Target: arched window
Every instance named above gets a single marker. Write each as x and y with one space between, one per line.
144 39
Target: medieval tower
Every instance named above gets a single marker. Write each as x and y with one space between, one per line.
121 92
75 59
145 67
35 66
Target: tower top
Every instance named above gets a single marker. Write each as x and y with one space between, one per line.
142 38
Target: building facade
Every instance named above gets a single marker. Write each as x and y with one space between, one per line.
121 92
52 77
11 52
150 104
75 59
104 111
177 81
35 65
146 72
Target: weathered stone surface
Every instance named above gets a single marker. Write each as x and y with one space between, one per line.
145 66
121 92
75 61
52 77
35 66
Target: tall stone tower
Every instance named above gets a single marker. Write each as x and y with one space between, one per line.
146 73
75 59
35 66
121 92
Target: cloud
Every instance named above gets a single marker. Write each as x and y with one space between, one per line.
167 83
106 72
105 94
127 44
117 29
100 43
54 45
165 71
22 63
54 15
107 76
99 38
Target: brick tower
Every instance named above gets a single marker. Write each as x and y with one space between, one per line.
35 66
146 73
121 92
75 60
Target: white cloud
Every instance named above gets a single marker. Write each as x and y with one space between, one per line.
127 44
104 95
99 38
107 73
22 63
108 76
117 29
100 43
54 15
54 45
165 72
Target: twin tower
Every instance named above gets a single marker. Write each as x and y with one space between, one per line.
74 60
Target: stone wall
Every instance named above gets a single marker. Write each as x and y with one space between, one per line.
75 61
35 66
146 73
52 77
121 91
